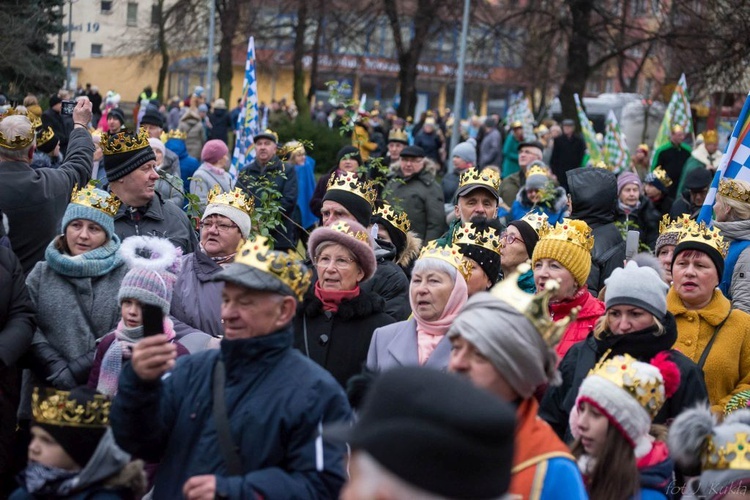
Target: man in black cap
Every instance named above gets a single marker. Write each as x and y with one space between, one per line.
60 125
427 434
115 120
266 170
528 152
153 122
567 152
131 171
241 421
697 183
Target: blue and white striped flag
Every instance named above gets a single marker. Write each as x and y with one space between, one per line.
735 164
247 124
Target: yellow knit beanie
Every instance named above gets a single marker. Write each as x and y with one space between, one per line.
569 242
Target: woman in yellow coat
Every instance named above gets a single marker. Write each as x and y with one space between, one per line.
709 331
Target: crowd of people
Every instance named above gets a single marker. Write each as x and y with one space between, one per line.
401 330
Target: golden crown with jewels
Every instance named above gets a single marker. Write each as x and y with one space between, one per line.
732 189
398 135
398 219
285 266
350 182
124 141
88 196
448 253
536 220
621 371
343 227
662 176
534 307
235 198
731 455
20 141
667 225
570 230
54 407
537 170
486 177
468 234
700 233
43 136
173 134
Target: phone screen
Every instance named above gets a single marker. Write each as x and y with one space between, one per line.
153 320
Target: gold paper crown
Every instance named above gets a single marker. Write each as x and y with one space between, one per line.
450 254
710 136
399 135
236 198
343 227
734 190
350 182
621 371
286 267
43 136
486 177
173 134
88 197
677 128
570 230
537 170
732 455
399 220
667 225
661 174
124 141
56 408
536 220
534 307
603 166
19 141
699 233
468 234
516 124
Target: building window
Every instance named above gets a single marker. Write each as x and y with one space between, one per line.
155 15
106 7
96 50
132 14
72 48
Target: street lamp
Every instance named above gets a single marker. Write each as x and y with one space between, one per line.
459 97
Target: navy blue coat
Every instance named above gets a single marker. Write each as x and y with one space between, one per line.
276 399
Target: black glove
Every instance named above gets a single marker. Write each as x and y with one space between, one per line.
81 366
63 380
45 361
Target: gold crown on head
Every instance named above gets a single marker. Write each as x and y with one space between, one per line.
486 177
468 234
398 219
570 230
235 198
677 128
710 137
662 176
55 407
285 266
537 170
534 307
124 141
621 371
19 141
536 220
731 455
448 253
173 134
732 189
700 233
350 182
88 197
667 225
343 227
43 136
603 166
398 135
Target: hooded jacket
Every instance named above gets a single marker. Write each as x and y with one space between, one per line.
593 193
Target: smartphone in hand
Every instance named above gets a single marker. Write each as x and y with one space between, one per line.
67 107
153 320
631 244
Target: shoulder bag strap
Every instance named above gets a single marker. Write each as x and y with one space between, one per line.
227 446
707 349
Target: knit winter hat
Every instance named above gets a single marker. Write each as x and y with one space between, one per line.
235 206
156 144
629 393
91 203
125 152
354 195
569 242
154 264
213 151
638 287
351 153
659 179
117 113
466 151
152 116
529 226
350 235
626 178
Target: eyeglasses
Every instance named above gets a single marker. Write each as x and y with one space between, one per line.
222 228
510 238
339 263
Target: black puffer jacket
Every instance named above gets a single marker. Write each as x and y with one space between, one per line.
593 192
339 341
390 283
644 345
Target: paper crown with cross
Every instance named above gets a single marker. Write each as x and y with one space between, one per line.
537 220
55 407
399 220
447 253
694 232
398 135
235 198
667 225
468 234
487 177
571 231
173 134
661 174
351 183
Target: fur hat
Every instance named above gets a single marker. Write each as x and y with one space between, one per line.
154 264
351 236
638 287
569 243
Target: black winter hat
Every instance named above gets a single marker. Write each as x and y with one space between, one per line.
359 207
713 253
124 152
54 99
152 117
698 178
398 237
117 113
529 235
435 431
349 152
488 260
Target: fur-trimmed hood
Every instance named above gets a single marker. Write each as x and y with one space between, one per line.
363 305
411 251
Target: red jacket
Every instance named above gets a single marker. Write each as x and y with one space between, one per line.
591 309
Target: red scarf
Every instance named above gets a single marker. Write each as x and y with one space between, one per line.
332 298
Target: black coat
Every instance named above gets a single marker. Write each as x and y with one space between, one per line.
339 341
61 125
567 154
390 283
645 219
558 401
221 124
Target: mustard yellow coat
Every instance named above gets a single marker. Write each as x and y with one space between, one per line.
727 367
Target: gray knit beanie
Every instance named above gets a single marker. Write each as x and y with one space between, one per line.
466 152
638 287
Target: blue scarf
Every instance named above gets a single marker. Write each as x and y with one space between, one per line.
93 263
735 250
43 480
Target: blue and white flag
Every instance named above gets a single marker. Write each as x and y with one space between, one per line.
247 124
735 164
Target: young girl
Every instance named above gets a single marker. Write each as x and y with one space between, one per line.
154 263
611 420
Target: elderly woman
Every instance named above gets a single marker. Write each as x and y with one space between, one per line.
669 233
335 321
437 292
517 244
732 210
563 254
709 331
225 225
168 185
635 211
348 159
212 172
636 323
75 290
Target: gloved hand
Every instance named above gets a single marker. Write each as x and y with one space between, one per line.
63 379
81 366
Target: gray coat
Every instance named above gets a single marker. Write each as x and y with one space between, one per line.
35 200
171 163
739 288
396 345
203 180
196 300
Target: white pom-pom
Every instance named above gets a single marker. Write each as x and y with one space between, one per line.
148 252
